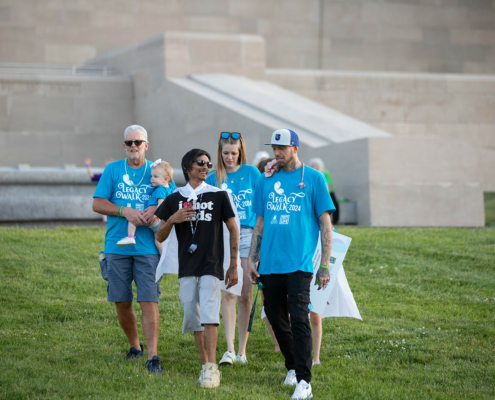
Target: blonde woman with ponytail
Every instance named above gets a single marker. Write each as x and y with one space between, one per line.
239 179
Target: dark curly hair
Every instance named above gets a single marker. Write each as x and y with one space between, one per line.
189 158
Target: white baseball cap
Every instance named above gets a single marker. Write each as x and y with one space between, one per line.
284 137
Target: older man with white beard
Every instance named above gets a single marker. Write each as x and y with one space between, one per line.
122 194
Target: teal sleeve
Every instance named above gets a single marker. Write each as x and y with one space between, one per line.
212 179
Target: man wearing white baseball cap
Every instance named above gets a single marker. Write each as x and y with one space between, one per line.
294 201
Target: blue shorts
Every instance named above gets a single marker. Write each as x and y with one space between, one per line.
122 270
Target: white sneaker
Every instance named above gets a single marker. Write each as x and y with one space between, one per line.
291 379
228 358
211 378
303 391
201 374
241 359
127 241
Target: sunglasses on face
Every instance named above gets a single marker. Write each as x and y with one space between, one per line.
138 143
233 135
202 163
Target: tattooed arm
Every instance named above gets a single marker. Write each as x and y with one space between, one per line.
231 275
323 274
254 251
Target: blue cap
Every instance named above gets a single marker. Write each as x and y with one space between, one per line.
284 137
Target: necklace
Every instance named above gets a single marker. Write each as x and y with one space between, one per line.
234 174
127 173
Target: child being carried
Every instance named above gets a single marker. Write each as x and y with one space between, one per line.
162 178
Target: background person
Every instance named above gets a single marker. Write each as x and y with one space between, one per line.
296 206
239 179
259 156
319 165
261 167
96 177
198 211
122 192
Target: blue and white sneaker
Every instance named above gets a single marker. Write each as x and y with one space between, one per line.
303 390
133 353
154 365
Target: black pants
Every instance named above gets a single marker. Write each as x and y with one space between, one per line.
286 294
335 214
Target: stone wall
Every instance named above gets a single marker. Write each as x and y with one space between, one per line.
50 194
386 35
49 120
453 107
408 181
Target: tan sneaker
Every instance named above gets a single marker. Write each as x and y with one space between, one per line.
211 378
201 374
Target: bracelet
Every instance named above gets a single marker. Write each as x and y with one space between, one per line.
87 165
120 211
322 266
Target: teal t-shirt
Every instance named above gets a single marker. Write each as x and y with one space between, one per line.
161 192
116 187
240 185
291 228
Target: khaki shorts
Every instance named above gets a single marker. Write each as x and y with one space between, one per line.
200 299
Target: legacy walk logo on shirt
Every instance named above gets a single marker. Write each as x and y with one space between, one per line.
240 200
127 191
279 201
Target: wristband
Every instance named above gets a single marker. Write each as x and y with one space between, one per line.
88 165
120 211
322 266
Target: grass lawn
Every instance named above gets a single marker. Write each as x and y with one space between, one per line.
426 296
489 208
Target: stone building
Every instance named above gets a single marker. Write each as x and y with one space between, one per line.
397 96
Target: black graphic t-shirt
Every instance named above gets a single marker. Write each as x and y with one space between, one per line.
213 208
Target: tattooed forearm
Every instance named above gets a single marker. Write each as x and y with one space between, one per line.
234 238
233 248
326 238
323 273
254 251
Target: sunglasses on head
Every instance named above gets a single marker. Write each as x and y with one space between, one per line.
233 135
202 163
138 143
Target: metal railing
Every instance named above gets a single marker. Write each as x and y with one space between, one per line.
57 69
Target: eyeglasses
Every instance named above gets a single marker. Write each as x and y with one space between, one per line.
202 163
138 143
233 135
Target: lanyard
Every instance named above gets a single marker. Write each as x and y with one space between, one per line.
193 229
127 173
